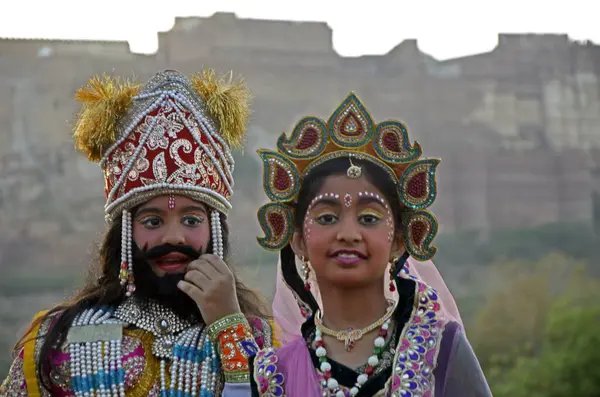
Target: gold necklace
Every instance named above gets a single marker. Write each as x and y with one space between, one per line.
350 336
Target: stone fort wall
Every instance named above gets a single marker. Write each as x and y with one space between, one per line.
518 128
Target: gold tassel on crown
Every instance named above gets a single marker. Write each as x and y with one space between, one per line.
227 102
105 101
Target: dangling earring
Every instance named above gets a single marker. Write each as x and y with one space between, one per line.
306 271
392 272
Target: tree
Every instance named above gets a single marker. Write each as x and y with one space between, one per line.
533 317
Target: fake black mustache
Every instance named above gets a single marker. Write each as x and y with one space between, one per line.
165 249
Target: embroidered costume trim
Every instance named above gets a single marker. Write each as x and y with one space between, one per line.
236 344
270 382
418 347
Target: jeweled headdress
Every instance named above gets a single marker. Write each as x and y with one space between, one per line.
172 136
349 132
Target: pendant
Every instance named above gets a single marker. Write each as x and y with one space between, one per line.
349 336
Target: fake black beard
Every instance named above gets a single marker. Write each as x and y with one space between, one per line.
164 288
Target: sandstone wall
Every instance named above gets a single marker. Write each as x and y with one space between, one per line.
515 127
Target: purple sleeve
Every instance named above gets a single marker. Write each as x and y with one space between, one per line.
237 390
462 375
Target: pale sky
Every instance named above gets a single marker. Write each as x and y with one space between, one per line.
444 28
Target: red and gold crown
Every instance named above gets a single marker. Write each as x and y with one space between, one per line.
171 136
350 132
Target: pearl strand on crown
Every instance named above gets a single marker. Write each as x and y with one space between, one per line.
126 273
209 127
217 233
226 176
170 188
202 119
133 158
132 125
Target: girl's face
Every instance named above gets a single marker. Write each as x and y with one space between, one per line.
348 233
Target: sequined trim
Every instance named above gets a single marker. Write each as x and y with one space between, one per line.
61 375
236 344
149 374
15 381
222 324
418 348
262 331
269 381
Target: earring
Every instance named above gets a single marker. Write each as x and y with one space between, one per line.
392 272
306 271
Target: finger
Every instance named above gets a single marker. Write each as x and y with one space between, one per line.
217 263
190 290
204 267
197 278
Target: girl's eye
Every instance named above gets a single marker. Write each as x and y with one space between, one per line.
326 219
369 219
151 222
192 220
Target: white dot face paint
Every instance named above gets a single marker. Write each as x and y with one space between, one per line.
389 221
308 220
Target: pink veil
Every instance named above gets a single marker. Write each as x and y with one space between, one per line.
288 317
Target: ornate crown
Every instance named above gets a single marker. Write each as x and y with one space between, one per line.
171 136
349 132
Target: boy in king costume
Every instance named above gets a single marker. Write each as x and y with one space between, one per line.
166 316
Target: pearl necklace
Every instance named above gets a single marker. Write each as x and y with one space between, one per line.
96 366
331 384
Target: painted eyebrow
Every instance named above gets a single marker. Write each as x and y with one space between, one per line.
191 208
326 201
155 210
148 210
365 200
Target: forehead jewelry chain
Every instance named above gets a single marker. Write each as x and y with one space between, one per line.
354 171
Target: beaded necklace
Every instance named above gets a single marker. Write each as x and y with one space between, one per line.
96 368
351 335
329 384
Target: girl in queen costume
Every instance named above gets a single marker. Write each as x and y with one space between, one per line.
349 199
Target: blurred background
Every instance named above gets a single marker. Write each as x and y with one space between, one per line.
508 95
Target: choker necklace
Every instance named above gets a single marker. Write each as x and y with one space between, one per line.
350 336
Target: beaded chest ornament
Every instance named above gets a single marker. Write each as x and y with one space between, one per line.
172 136
188 359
